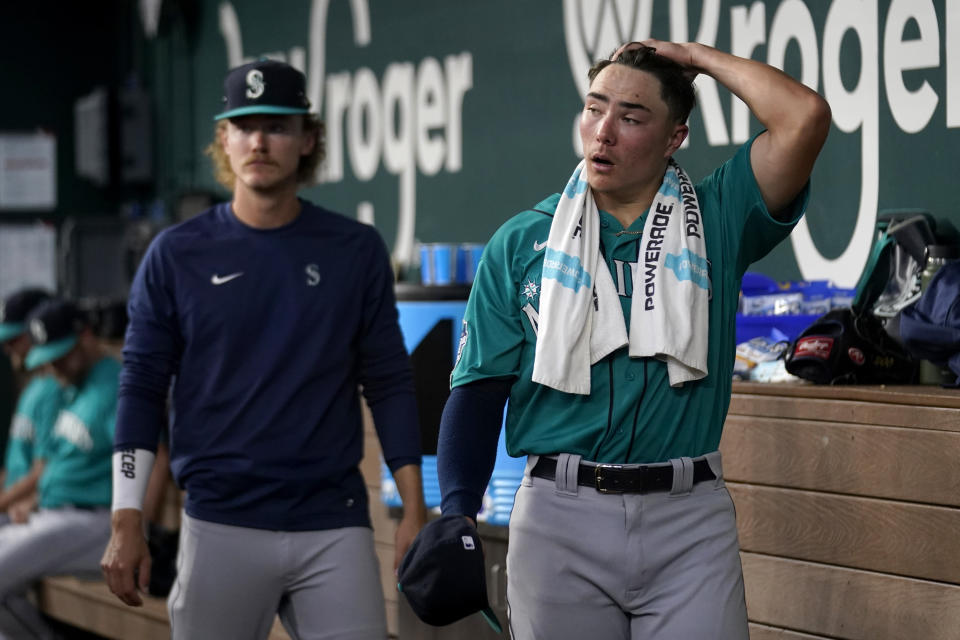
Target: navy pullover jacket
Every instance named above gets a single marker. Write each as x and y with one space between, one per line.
266 335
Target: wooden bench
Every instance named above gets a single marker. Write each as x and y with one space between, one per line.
848 509
89 605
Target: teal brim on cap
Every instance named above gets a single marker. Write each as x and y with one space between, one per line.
249 111
43 353
10 330
491 619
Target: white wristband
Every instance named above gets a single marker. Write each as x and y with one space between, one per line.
131 474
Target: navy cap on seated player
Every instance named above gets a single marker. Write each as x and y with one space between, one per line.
14 309
264 94
62 338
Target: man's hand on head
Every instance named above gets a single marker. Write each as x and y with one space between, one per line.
678 52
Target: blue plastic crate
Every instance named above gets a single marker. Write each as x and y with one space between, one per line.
790 326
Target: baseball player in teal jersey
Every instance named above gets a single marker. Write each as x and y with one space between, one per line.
37 408
67 533
606 314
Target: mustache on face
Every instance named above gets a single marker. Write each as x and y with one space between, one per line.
259 160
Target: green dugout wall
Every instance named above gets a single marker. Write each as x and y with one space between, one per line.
446 117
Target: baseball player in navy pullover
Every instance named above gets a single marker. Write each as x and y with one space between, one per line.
268 313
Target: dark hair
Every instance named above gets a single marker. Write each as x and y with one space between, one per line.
676 88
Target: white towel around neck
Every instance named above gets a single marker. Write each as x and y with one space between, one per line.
581 321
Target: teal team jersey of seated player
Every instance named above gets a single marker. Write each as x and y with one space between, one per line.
632 415
32 423
80 446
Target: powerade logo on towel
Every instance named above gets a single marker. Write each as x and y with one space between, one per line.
671 184
689 266
565 269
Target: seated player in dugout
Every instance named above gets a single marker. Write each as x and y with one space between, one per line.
605 314
73 491
268 314
36 410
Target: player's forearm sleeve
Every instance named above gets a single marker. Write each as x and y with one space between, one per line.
467 444
131 474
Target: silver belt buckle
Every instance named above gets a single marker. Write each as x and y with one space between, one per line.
599 478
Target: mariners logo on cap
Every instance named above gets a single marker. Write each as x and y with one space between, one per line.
38 332
264 86
255 83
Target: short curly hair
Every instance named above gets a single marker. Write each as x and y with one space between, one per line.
306 170
676 88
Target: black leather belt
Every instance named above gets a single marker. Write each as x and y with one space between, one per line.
615 478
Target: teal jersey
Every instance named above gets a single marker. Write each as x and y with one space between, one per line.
632 414
33 419
78 458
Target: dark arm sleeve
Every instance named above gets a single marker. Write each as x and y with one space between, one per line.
151 353
385 372
467 443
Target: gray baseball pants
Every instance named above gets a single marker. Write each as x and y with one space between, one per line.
232 582
653 566
52 542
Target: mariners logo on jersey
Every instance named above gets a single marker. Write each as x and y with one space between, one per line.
530 290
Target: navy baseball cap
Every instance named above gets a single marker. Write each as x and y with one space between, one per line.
264 86
443 576
14 311
54 327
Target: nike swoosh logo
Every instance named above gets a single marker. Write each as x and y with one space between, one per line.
218 280
538 246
